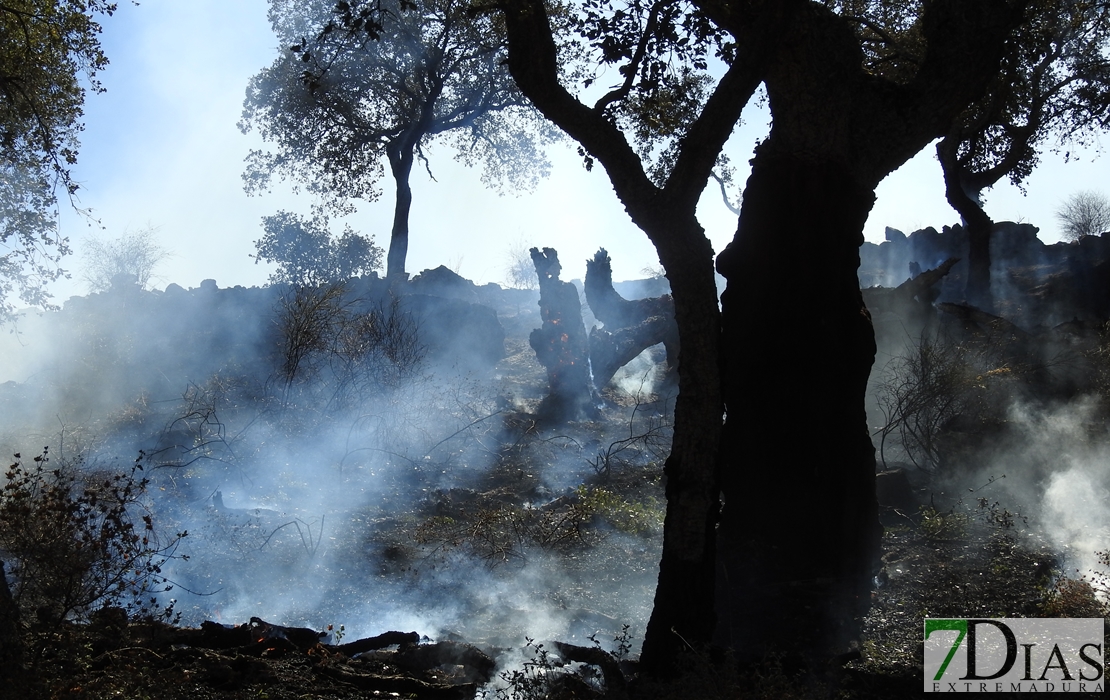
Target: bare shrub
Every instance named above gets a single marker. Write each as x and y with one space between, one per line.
650 430
344 349
1085 213
132 254
375 350
78 541
307 319
936 386
520 273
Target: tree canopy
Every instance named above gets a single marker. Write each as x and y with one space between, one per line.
338 102
1053 90
306 254
49 55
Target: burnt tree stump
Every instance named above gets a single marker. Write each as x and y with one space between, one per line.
561 344
631 325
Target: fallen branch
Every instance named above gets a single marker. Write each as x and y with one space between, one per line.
379 642
397 684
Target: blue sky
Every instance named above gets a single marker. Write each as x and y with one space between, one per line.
161 148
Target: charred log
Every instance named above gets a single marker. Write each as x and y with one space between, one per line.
397 684
424 657
611 351
910 303
379 642
617 313
921 286
609 306
561 344
615 683
977 319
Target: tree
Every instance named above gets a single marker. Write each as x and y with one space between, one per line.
1084 214
798 536
845 114
1054 84
132 254
336 108
50 48
520 271
306 254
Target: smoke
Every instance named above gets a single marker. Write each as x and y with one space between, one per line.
1003 406
309 504
1047 468
1061 480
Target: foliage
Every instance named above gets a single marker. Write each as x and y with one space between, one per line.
50 54
625 516
1054 82
77 541
306 254
340 102
663 52
1084 214
1100 580
1069 597
938 526
132 254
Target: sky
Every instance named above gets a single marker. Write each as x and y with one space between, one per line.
161 149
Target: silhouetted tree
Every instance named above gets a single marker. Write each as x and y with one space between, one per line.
50 54
799 535
1054 85
336 107
844 116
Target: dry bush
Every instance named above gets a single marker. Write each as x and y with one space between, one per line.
1073 598
134 255
77 541
936 386
1084 213
342 351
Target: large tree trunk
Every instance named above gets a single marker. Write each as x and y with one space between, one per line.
799 532
400 162
684 611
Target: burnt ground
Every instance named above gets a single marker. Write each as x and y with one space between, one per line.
956 564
